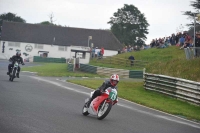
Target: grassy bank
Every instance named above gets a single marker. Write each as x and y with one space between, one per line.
169 61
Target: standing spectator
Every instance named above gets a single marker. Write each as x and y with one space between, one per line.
182 40
125 49
153 43
93 52
99 54
131 58
197 44
128 48
119 51
102 51
177 39
157 43
96 52
173 39
187 39
169 38
187 42
167 42
161 41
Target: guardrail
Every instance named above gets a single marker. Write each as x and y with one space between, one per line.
108 71
124 62
192 52
186 90
48 59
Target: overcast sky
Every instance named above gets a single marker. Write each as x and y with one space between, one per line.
164 16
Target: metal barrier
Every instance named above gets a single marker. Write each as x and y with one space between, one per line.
88 68
108 71
48 59
191 52
70 67
180 88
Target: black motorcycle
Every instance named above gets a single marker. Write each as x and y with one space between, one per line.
14 70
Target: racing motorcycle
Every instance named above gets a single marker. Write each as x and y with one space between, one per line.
101 105
14 70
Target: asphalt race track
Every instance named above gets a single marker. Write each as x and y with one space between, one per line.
33 104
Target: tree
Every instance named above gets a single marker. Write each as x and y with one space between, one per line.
51 22
51 16
10 17
46 23
190 14
129 25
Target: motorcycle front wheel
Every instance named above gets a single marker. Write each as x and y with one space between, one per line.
104 110
13 75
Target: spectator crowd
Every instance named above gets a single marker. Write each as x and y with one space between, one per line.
182 40
97 53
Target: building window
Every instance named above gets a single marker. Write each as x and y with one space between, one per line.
39 46
17 44
13 44
62 48
81 55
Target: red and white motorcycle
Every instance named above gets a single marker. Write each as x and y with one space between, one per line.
101 105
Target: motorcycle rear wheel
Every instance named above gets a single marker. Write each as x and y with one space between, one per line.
102 113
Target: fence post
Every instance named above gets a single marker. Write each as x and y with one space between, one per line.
186 53
144 72
190 53
194 50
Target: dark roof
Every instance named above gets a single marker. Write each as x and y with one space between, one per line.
64 36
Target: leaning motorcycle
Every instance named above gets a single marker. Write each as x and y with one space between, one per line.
14 70
101 105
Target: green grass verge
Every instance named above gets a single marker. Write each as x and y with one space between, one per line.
57 70
134 91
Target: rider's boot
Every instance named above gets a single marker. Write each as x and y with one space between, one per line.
17 75
89 102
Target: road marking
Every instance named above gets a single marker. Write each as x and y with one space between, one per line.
58 84
160 116
128 107
28 72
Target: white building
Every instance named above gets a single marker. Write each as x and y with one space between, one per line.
53 41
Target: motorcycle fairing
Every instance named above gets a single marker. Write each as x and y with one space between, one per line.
97 101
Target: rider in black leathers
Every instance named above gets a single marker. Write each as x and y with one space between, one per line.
112 82
14 58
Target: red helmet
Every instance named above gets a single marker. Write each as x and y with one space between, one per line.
114 79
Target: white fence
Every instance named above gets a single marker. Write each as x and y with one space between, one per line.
180 88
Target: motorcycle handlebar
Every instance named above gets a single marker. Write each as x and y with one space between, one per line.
10 60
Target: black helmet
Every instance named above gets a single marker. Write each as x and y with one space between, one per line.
18 53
